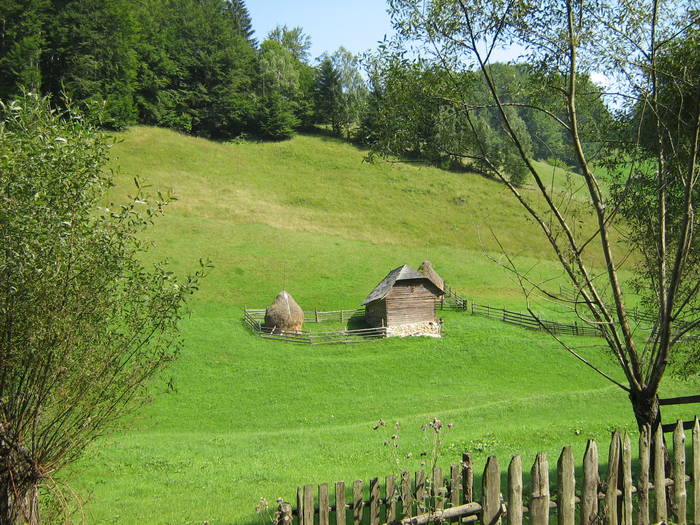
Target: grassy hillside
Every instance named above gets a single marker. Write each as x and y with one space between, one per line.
245 418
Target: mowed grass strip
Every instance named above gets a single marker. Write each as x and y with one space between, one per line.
238 418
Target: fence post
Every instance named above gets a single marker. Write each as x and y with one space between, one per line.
515 491
539 500
324 507
566 485
491 493
643 488
589 491
467 478
374 503
455 483
611 506
357 503
626 480
420 491
300 505
659 475
316 312
391 498
340 503
308 504
406 495
679 492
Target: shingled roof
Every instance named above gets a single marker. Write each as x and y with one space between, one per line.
402 273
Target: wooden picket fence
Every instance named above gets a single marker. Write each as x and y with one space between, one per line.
650 495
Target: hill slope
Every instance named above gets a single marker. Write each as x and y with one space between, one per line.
237 418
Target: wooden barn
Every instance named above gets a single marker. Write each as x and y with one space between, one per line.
403 297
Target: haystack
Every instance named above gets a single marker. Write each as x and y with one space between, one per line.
284 314
426 268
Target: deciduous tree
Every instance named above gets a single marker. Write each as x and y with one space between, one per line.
84 323
639 46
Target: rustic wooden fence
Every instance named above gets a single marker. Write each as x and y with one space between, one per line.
684 400
528 321
452 301
254 317
650 495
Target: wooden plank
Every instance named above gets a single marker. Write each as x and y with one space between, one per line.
455 484
420 491
391 497
324 506
300 505
566 488
611 506
438 489
683 400
589 491
643 483
374 501
696 471
539 499
659 476
406 495
468 512
670 427
467 478
340 505
680 496
626 515
309 505
358 504
491 493
515 491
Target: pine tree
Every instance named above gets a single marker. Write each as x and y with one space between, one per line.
242 22
328 95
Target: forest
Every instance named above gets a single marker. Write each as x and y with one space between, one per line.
196 66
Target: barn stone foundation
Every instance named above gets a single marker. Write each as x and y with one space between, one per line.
425 329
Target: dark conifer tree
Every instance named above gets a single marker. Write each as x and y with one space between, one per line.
242 22
327 95
21 44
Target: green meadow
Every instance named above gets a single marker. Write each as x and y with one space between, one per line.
237 418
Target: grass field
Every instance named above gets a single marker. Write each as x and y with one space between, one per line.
247 418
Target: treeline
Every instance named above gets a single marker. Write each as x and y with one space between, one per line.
195 66
420 109
191 65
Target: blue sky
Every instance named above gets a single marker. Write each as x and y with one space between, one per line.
356 24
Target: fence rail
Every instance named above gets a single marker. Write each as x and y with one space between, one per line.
528 321
452 301
618 498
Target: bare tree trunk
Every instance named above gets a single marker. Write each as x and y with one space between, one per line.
8 510
646 408
16 507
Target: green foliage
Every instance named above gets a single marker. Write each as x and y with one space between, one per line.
240 17
21 44
83 323
276 119
420 109
90 57
327 95
293 40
